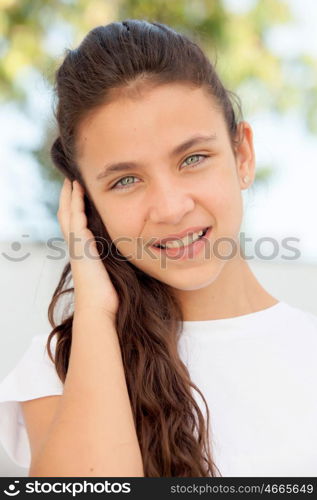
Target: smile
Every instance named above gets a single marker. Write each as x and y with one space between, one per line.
182 248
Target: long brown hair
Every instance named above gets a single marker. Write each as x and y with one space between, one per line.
174 438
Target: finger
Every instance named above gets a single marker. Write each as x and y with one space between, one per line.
78 219
81 241
63 213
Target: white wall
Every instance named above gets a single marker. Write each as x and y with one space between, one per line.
27 286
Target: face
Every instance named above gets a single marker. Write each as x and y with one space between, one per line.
162 189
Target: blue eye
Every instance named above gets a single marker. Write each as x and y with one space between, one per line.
193 156
117 185
124 185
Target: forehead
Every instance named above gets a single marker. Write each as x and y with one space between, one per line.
157 118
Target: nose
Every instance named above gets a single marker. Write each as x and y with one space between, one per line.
169 204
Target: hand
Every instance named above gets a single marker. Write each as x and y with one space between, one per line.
93 288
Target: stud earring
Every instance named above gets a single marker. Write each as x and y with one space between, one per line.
246 179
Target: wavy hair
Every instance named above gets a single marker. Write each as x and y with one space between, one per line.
174 438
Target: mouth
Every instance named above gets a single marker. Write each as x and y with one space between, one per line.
185 242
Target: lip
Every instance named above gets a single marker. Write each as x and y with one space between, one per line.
170 237
185 252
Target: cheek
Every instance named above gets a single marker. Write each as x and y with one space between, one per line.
119 220
123 227
222 197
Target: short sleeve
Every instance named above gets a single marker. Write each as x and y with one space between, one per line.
34 376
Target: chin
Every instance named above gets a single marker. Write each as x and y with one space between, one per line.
190 281
192 286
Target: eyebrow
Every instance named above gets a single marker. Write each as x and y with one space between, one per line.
128 165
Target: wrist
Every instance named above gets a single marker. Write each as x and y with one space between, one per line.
92 311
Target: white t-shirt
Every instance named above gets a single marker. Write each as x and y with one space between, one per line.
258 373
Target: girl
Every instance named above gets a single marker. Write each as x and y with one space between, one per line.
174 361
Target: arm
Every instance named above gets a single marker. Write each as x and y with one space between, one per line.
93 432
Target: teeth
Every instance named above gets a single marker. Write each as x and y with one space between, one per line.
187 240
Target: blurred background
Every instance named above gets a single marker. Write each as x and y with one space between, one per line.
265 51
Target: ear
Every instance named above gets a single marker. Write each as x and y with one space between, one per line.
245 156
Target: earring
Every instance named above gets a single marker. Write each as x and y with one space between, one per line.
246 179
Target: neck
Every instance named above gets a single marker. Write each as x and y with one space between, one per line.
234 292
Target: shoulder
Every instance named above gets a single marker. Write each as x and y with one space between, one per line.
33 376
295 313
298 328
